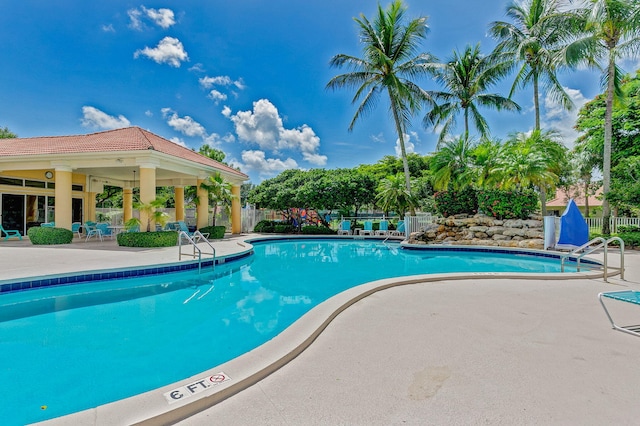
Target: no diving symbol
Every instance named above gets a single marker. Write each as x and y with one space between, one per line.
217 378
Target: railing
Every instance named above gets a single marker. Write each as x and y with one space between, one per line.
587 248
415 223
193 240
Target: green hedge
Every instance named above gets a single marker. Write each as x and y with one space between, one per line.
215 232
148 239
49 236
265 226
317 230
507 204
631 239
449 203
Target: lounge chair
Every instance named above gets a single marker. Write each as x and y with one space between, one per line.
368 228
48 225
384 228
345 228
399 232
628 296
92 230
75 228
10 233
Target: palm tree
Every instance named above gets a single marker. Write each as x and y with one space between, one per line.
451 164
612 33
466 77
219 192
388 66
534 40
393 195
152 213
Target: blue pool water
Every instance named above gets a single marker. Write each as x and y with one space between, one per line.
74 347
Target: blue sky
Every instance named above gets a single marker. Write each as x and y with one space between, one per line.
247 77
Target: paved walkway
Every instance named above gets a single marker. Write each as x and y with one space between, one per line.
455 352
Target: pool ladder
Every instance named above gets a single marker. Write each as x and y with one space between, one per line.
193 240
586 249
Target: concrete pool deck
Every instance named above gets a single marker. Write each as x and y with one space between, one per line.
483 350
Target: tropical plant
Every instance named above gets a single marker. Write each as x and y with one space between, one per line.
393 195
152 213
388 66
451 164
612 33
534 160
533 42
5 133
219 194
466 78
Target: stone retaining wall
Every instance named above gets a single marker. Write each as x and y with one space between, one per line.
482 230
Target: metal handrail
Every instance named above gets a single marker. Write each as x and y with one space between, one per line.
587 248
194 240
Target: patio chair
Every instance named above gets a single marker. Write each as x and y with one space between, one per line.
345 228
92 231
368 228
10 233
384 228
183 227
48 225
75 228
105 230
399 229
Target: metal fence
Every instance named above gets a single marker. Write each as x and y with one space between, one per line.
420 220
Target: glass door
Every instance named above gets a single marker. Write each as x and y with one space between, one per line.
13 212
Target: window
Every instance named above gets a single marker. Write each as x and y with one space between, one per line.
11 181
34 183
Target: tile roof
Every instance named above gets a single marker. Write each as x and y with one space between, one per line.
126 139
562 197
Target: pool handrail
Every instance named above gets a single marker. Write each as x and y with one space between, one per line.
587 248
196 237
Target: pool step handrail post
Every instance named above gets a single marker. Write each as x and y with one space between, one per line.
193 240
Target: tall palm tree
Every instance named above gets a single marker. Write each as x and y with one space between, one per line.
451 164
466 78
612 33
533 41
388 65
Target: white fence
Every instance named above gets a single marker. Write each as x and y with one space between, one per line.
420 220
595 223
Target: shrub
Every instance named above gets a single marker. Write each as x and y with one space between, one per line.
49 236
507 204
631 239
283 228
317 230
449 203
265 226
215 232
628 228
148 239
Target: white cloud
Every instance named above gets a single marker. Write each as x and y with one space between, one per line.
263 126
93 117
215 140
148 113
222 81
561 120
169 50
108 28
409 146
179 141
257 161
379 138
185 125
217 96
164 18
197 68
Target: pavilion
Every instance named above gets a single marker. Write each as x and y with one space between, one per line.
58 177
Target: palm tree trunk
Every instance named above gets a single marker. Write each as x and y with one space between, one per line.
405 163
586 198
543 200
536 101
466 124
606 156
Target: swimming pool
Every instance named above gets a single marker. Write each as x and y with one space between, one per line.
70 348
